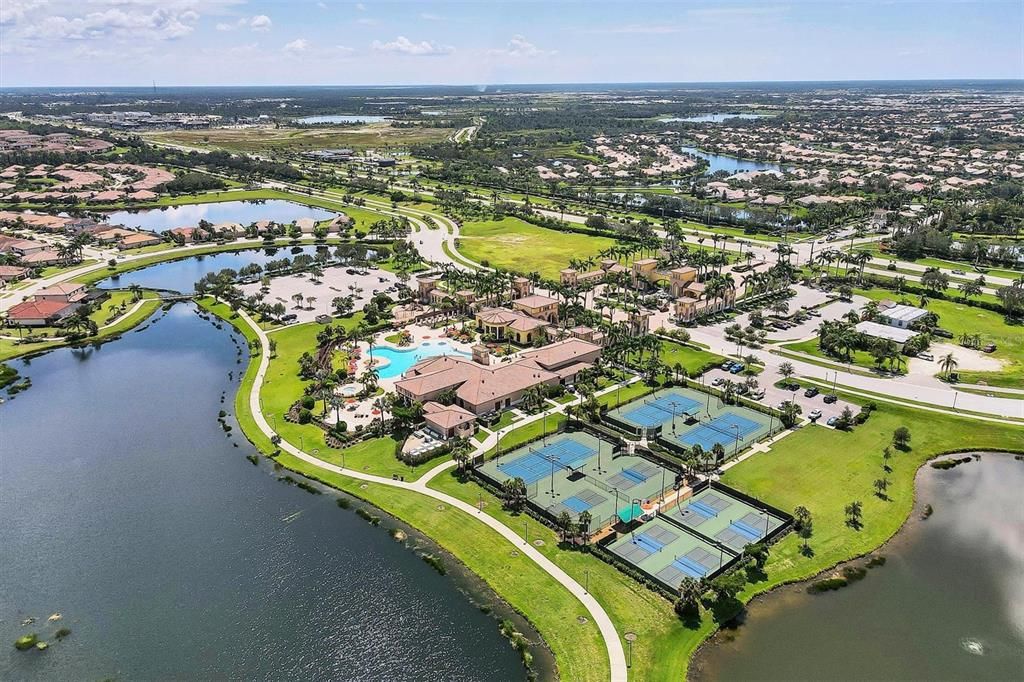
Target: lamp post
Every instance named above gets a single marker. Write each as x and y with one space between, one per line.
630 638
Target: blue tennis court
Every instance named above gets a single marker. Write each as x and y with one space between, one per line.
576 504
690 568
660 409
647 543
745 530
538 463
724 429
703 509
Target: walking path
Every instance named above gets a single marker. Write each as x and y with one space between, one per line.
616 655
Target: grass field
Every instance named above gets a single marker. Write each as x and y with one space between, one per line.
860 358
692 360
959 318
824 470
513 244
264 139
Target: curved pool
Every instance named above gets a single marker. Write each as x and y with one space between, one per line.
399 360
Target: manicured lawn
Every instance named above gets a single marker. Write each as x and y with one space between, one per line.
513 244
960 318
517 437
620 396
824 470
860 358
693 360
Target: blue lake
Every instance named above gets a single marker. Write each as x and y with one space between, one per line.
341 118
712 118
181 275
244 212
128 510
401 360
729 164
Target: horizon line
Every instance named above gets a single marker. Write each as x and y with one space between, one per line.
534 84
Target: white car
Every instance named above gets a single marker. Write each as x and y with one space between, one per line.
717 381
815 414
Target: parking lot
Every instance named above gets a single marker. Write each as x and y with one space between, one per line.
773 396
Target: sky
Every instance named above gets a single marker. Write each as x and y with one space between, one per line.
335 42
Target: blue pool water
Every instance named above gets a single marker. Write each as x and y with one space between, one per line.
401 360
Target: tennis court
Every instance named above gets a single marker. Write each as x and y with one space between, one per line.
669 553
661 407
715 514
540 460
577 472
735 428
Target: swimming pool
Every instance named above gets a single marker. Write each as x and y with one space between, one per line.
398 361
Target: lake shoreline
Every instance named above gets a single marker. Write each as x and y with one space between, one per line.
769 599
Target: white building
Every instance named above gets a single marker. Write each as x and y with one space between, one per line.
901 316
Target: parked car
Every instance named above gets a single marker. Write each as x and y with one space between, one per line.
814 415
727 365
926 356
832 421
758 394
811 392
959 272
830 398
736 368
990 348
717 381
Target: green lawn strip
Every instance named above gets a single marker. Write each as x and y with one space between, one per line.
527 432
693 360
621 396
663 645
860 358
10 349
960 318
513 244
824 470
454 255
859 396
941 263
578 647
827 364
52 270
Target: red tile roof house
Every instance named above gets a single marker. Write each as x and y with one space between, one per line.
482 388
70 292
138 240
41 258
12 273
449 421
40 313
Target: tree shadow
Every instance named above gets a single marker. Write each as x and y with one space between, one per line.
807 551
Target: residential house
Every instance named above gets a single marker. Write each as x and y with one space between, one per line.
40 313
539 307
65 292
449 421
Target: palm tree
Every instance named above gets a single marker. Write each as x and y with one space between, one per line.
948 363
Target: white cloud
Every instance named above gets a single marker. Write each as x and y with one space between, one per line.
260 22
521 48
402 45
427 16
13 11
297 46
224 27
322 5
361 7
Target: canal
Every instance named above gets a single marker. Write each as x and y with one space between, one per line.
129 511
948 603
